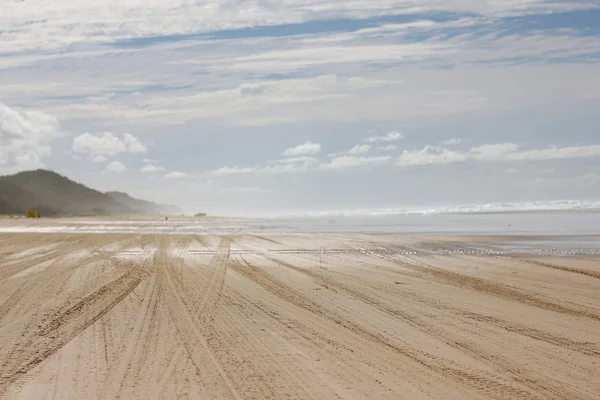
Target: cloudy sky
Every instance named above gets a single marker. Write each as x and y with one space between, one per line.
232 106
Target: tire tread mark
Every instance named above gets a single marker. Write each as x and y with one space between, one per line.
63 326
7 272
157 389
112 391
580 347
592 274
219 266
491 386
484 286
19 294
586 348
184 323
273 358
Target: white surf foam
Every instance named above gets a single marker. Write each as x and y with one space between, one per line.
555 205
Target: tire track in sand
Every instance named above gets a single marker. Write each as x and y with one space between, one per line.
194 342
434 330
53 276
81 243
593 274
59 328
155 391
481 285
492 386
580 347
116 377
214 290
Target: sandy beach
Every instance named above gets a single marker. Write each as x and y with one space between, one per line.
305 316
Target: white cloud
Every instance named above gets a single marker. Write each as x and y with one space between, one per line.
389 147
133 145
492 152
175 174
235 170
74 22
98 158
345 162
430 155
452 141
107 144
360 149
555 153
305 163
308 148
249 89
149 160
390 137
151 168
292 164
313 98
499 152
116 166
211 97
293 160
25 137
316 57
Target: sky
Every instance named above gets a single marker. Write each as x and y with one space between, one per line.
248 107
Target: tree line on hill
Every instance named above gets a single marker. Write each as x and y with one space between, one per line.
52 194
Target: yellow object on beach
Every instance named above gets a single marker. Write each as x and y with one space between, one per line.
32 214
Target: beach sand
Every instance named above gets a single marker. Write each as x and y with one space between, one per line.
280 316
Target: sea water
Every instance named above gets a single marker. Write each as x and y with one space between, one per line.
562 223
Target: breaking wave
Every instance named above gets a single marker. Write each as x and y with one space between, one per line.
556 205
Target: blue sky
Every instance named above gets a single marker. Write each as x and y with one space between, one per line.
289 106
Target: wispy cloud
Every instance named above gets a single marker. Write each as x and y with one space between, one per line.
107 144
390 137
307 148
176 174
451 142
389 147
360 149
116 20
285 165
235 170
345 162
26 137
500 152
116 166
97 158
151 168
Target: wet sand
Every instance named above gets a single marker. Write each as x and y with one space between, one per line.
321 316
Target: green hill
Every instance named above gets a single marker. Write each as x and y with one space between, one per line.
53 194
